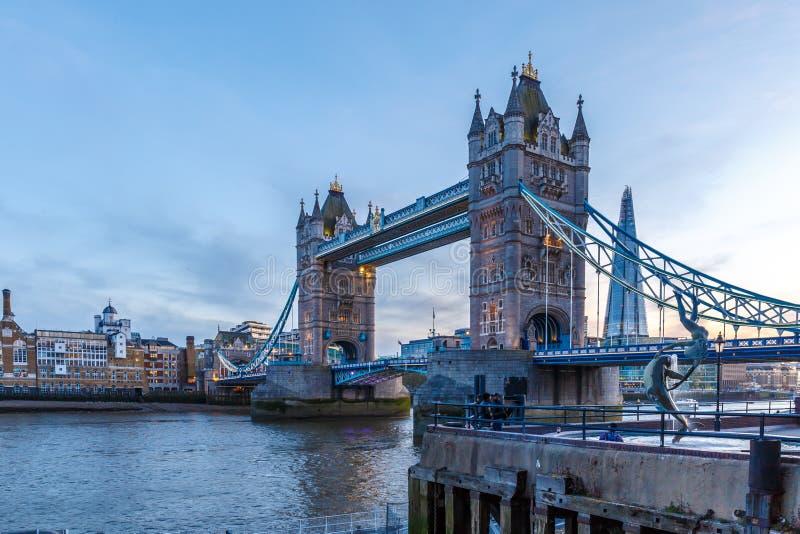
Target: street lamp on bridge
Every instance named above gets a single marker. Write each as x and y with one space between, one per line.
719 345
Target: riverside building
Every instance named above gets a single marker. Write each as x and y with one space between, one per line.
110 357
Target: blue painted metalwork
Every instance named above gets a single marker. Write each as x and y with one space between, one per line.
785 348
424 205
664 277
419 238
262 355
377 371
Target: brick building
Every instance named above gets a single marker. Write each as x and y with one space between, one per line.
110 357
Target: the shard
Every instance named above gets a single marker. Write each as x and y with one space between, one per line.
625 313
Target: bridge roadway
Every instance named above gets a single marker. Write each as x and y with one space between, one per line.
752 350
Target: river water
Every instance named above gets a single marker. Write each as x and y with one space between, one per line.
194 472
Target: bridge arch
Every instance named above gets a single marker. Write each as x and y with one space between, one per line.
552 323
347 348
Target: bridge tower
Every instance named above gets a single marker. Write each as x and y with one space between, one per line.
336 300
526 290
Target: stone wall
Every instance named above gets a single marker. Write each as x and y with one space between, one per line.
663 486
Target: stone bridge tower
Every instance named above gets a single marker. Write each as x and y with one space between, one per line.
526 290
336 300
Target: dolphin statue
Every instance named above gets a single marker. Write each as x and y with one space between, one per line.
659 370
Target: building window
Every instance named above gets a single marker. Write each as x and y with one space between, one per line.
20 352
561 174
552 144
536 168
494 229
544 142
528 226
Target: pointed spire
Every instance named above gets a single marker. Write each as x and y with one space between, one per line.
302 218
514 106
477 126
316 213
580 132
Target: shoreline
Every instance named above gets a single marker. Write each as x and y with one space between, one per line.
42 406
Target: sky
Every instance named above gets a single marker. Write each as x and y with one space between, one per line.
155 153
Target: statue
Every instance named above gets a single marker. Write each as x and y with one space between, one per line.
659 370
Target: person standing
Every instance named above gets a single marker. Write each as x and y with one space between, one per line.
499 413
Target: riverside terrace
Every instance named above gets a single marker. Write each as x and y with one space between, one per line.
525 479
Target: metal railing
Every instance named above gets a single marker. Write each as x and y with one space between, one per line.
391 519
519 418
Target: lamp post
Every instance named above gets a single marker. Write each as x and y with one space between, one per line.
719 345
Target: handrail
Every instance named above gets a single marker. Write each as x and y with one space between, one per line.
550 419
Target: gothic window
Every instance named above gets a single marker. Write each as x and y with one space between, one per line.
500 166
528 268
356 317
552 144
485 231
332 315
307 317
494 228
552 172
536 168
544 142
343 316
561 174
528 226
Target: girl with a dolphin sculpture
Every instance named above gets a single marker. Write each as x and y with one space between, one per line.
660 367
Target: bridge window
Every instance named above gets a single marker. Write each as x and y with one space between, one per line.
535 170
494 229
307 317
561 174
528 226
356 317
344 316
485 231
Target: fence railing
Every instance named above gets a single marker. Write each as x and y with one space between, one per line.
519 418
391 519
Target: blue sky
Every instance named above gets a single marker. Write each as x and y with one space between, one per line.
155 152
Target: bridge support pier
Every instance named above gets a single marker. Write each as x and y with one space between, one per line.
307 391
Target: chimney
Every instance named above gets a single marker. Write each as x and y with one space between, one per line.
7 315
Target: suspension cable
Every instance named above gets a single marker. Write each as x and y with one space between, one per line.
571 292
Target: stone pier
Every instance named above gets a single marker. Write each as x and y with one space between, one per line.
467 479
306 391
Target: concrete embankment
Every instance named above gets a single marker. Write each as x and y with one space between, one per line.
37 406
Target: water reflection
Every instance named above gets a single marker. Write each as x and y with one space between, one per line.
190 472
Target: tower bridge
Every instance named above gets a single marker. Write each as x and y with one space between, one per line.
524 208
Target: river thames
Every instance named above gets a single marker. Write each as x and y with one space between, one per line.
189 472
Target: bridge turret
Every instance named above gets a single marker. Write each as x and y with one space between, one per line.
301 220
476 129
514 117
579 149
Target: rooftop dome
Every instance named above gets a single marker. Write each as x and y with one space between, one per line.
334 207
532 99
110 309
533 102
